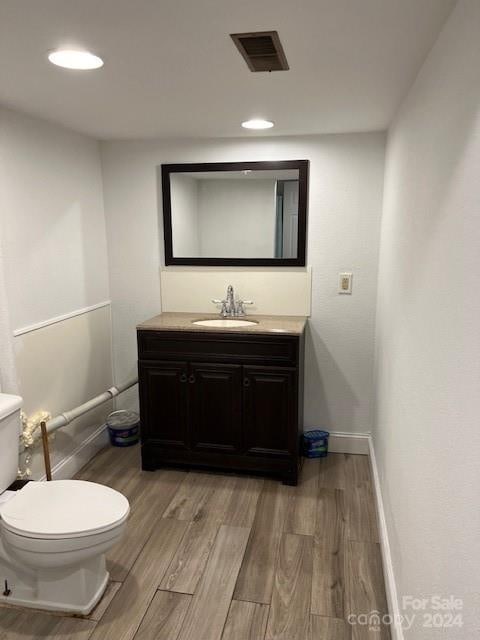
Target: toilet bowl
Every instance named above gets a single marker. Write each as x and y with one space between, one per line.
53 541
54 537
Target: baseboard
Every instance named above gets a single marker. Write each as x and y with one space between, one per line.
69 466
340 442
388 572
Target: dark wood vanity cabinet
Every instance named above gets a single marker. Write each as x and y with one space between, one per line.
215 407
270 410
221 400
164 403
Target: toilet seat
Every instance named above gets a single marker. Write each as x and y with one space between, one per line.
64 509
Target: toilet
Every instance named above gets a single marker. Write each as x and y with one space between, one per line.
53 535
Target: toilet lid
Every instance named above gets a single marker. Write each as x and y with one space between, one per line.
64 509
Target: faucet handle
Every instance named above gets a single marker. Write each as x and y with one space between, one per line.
240 311
223 310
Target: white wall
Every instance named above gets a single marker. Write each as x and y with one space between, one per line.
237 218
346 181
55 249
55 262
427 436
8 375
184 205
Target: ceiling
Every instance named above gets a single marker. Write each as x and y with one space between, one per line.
171 68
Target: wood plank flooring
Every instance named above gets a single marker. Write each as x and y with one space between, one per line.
225 557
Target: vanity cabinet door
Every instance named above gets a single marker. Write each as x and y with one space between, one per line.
269 410
215 407
163 402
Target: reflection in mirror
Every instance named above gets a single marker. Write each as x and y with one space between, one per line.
235 214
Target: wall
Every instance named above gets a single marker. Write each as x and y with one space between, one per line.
55 263
346 181
61 366
237 218
427 437
8 376
193 289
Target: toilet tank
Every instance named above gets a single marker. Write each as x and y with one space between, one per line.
9 433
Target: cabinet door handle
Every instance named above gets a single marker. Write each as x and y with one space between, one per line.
191 379
183 377
246 382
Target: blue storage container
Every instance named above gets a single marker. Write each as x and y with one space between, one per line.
124 428
315 443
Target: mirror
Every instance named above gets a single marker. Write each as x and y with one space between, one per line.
238 213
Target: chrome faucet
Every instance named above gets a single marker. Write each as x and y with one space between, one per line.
231 308
230 301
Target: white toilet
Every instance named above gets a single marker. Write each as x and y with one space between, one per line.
53 535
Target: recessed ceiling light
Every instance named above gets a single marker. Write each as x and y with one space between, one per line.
257 124
74 59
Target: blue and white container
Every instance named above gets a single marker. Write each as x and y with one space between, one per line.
315 443
123 428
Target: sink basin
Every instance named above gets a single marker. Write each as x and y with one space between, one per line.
225 323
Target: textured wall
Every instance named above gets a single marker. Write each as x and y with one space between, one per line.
54 227
427 436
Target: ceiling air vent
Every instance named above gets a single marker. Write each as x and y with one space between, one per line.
262 51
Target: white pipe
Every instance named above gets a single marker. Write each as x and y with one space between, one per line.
67 417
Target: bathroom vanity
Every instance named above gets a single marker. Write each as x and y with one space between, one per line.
222 397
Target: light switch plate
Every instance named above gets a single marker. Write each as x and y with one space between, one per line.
345 283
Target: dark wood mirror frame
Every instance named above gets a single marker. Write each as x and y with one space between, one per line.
299 261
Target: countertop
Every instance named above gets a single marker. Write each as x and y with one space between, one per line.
290 325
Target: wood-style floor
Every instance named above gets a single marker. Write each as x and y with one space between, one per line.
224 557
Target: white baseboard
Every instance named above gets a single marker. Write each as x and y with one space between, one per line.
69 466
388 573
340 442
